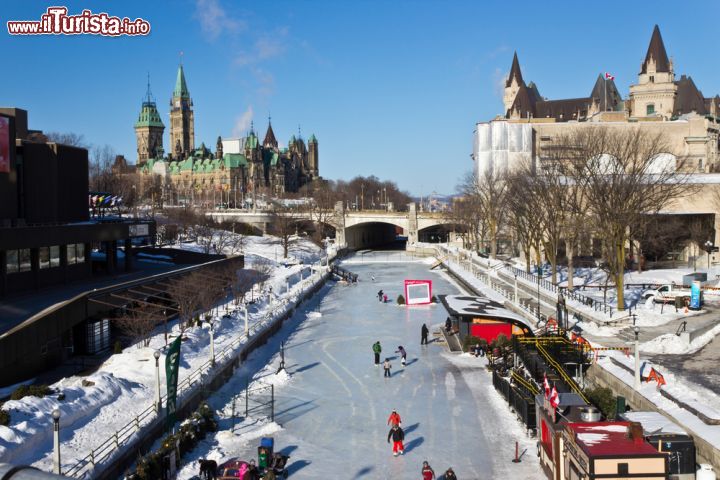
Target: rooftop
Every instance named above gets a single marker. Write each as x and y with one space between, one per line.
601 439
466 305
654 423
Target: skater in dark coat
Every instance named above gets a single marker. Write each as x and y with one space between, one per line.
424 334
377 349
398 436
449 475
208 469
380 296
403 355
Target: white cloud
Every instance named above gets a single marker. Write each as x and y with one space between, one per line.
215 20
242 123
499 79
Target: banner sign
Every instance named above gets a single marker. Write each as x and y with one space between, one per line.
695 295
172 365
4 145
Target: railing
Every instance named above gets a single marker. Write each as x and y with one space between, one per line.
561 371
149 416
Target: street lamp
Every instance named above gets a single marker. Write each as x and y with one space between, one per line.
538 294
56 441
637 358
212 343
708 249
158 401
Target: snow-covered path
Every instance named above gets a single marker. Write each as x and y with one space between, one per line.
334 409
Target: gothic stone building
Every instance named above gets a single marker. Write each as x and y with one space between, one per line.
238 169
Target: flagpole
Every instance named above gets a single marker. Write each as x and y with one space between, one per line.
605 92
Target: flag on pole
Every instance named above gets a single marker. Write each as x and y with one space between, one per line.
546 384
172 365
609 77
554 398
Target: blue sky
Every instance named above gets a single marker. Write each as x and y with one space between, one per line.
390 88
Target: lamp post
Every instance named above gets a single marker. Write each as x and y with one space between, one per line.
56 441
708 249
247 328
538 293
637 358
212 343
158 401
516 289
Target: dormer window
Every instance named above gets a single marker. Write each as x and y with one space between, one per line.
652 78
650 109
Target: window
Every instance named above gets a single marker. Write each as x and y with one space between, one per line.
623 469
24 260
80 252
55 256
11 261
650 109
71 254
44 255
652 79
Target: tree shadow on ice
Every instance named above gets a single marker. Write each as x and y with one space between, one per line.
416 442
411 428
363 471
307 367
297 466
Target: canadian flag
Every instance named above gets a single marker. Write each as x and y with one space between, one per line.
609 77
546 384
554 398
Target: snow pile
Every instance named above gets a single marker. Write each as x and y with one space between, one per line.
314 315
676 345
592 438
597 330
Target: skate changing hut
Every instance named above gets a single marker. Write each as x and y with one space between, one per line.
482 317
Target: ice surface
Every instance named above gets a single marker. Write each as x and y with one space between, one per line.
334 407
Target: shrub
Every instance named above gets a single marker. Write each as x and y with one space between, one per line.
470 340
30 391
4 417
401 300
501 341
604 399
118 347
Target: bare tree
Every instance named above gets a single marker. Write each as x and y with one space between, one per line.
524 216
138 322
67 138
622 182
185 293
283 224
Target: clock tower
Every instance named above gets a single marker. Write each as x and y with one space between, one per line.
182 121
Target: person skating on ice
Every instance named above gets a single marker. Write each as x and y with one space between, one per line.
424 334
377 349
427 471
394 419
387 366
403 355
380 295
449 475
397 435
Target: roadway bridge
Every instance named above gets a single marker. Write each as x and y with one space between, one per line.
358 229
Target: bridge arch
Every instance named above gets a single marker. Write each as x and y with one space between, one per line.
372 234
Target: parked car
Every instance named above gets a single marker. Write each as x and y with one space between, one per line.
666 293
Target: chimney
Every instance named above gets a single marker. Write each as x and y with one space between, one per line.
635 433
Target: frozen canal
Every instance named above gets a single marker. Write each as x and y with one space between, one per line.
334 408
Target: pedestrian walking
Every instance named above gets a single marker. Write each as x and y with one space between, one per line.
424 334
387 366
448 325
397 435
394 419
380 295
403 355
377 349
449 474
427 471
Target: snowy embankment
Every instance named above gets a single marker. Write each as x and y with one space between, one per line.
702 400
97 405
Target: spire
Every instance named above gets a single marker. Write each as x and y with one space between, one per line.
148 93
656 51
181 89
270 140
514 72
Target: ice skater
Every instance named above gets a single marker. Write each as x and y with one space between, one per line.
427 471
372 277
387 366
403 355
394 419
377 350
449 474
424 334
385 298
380 296
398 436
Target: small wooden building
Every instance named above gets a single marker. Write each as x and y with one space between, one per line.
483 318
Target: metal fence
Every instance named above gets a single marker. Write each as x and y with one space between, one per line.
143 421
520 402
254 403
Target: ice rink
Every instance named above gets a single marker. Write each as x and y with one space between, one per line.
334 408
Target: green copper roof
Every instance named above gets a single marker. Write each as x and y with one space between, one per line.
234 160
312 139
252 141
149 116
181 89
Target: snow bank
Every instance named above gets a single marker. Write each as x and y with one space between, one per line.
676 345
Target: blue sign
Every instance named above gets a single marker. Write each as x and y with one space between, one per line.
695 296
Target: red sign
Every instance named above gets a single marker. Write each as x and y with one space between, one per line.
4 145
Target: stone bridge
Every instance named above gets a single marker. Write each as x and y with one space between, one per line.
357 229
